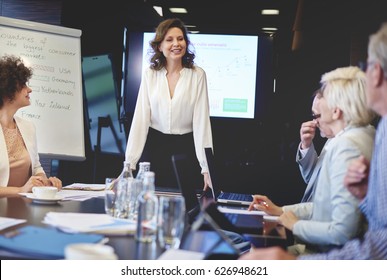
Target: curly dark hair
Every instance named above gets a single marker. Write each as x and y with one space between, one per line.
14 75
158 60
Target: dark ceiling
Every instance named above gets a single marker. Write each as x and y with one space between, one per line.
317 20
243 16
238 16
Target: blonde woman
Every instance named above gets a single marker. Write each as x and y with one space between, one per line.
333 217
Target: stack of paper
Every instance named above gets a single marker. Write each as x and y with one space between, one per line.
79 195
76 195
90 222
85 187
81 192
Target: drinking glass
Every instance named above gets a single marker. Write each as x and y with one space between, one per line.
136 187
110 196
123 198
171 221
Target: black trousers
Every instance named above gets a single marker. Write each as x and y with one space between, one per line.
159 149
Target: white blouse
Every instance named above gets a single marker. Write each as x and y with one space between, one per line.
187 111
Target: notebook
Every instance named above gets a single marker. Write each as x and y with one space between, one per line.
220 196
43 242
238 223
214 244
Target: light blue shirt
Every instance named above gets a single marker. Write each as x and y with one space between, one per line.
310 166
374 243
333 217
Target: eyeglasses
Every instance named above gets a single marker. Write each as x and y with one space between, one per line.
315 116
364 65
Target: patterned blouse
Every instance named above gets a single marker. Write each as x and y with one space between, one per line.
19 159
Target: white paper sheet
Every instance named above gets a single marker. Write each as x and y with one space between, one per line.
179 254
85 187
244 211
75 195
80 195
90 222
9 222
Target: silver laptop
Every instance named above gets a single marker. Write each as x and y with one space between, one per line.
218 194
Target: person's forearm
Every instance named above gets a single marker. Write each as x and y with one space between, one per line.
10 190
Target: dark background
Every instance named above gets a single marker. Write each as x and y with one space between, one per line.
258 155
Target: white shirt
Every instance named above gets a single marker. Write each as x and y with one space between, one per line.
187 111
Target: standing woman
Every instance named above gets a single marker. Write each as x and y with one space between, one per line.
20 168
172 109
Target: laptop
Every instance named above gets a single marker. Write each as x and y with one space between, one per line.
234 222
214 244
239 223
220 196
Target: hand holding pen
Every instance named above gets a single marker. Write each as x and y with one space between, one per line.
263 203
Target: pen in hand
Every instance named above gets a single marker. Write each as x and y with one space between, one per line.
263 203
256 203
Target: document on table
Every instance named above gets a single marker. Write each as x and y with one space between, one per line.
9 222
179 254
85 187
79 195
75 195
81 192
90 222
244 211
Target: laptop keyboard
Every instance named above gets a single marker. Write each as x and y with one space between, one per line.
237 196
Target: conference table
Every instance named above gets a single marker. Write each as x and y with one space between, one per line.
126 247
